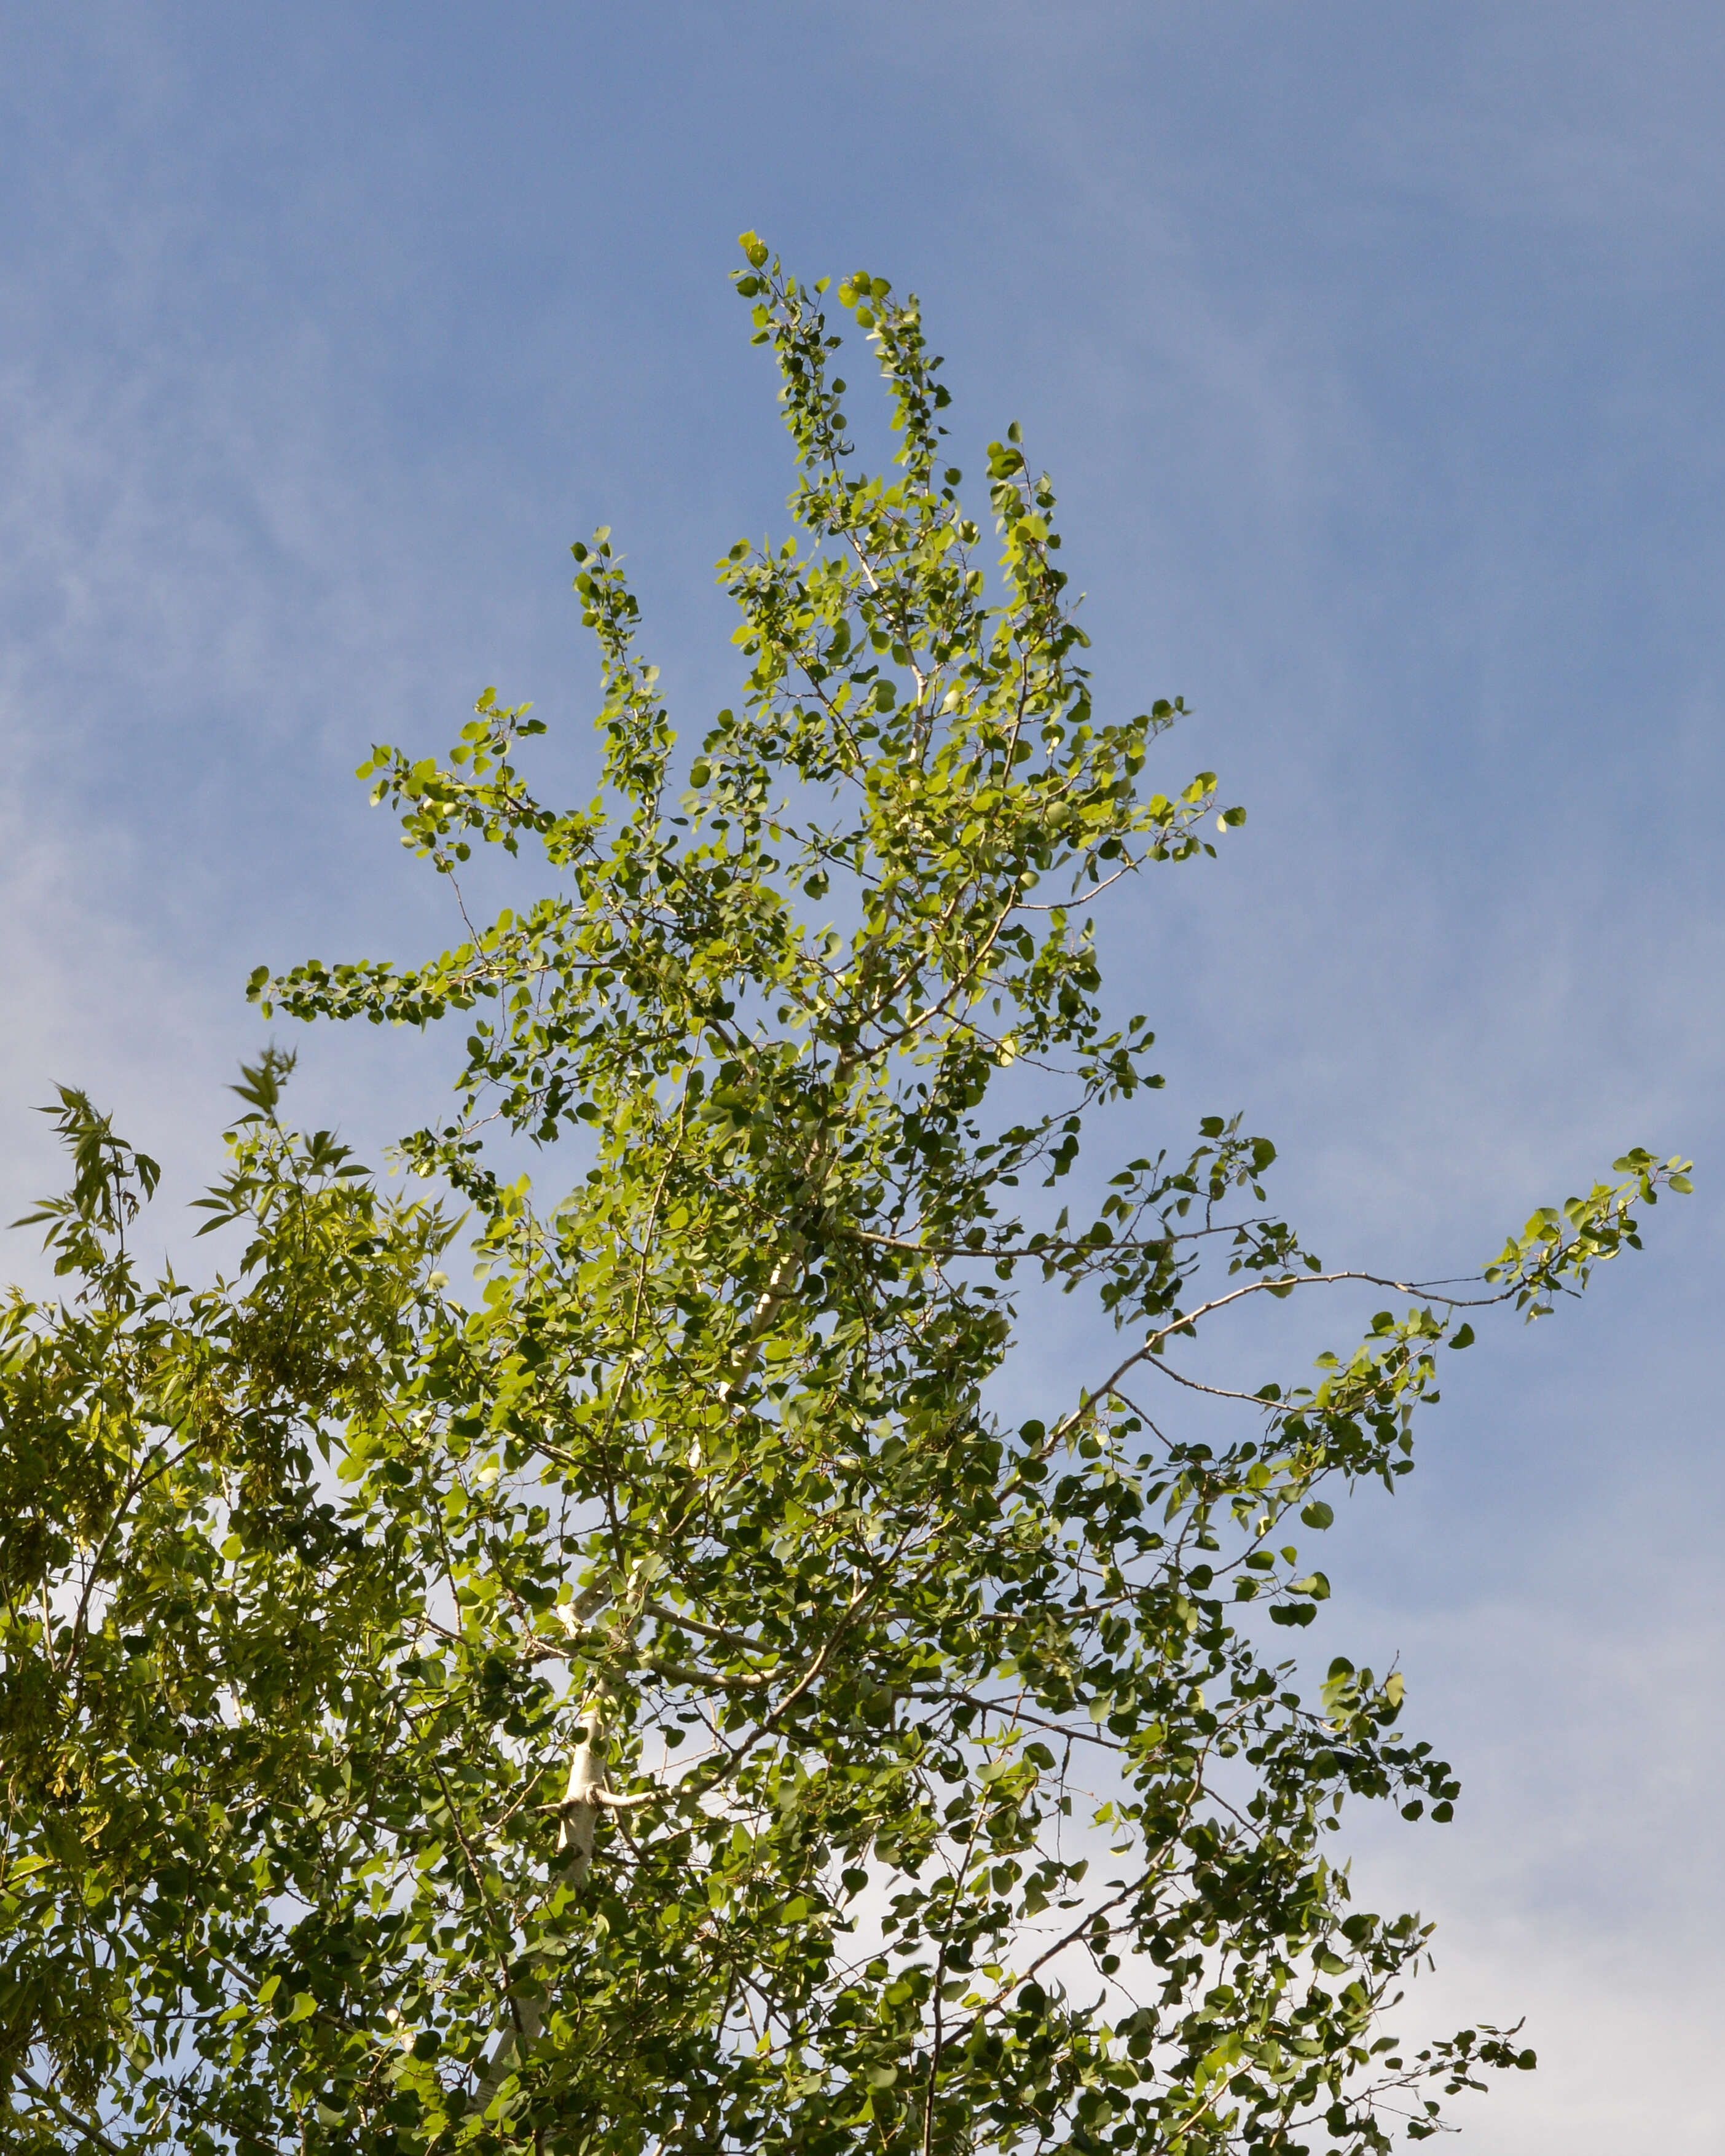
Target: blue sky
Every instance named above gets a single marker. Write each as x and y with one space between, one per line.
1375 353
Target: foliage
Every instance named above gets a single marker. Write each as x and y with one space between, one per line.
667 1704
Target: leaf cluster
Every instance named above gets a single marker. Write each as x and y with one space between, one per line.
666 1703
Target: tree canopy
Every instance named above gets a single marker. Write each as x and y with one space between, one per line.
680 1696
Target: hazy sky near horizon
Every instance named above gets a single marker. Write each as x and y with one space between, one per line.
1375 352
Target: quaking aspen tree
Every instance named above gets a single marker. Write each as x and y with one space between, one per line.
688 1696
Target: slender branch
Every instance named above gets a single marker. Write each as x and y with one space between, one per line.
64 2111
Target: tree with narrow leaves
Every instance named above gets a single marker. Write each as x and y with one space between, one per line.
681 1698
